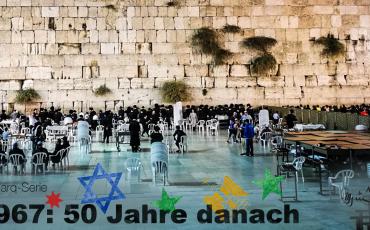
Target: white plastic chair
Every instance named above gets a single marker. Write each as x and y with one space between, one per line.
60 153
200 125
5 146
159 167
151 127
182 124
15 159
49 137
3 157
297 164
276 142
208 125
66 156
25 131
14 128
214 127
38 160
85 144
133 165
99 133
265 137
341 181
183 144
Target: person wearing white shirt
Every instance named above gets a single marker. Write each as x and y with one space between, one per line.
32 120
193 118
246 116
276 117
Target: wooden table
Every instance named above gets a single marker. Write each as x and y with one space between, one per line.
321 142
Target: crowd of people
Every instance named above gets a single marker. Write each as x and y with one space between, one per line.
362 110
242 120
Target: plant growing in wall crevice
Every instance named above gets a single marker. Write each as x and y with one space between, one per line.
102 91
259 43
233 29
265 61
332 47
206 40
174 91
173 3
26 96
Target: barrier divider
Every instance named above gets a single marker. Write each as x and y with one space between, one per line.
331 120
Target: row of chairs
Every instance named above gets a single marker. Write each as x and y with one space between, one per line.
37 160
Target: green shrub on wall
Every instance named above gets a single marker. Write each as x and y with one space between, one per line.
102 91
174 91
206 40
265 61
259 43
332 46
26 96
233 29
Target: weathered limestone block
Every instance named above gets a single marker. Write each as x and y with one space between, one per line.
311 80
124 83
142 83
208 82
157 71
357 79
51 84
299 80
89 48
10 85
158 81
27 84
240 82
292 92
176 71
289 81
273 81
273 93
69 48
221 82
239 71
72 72
118 71
142 97
162 48
65 84
28 37
109 48
219 71
325 80
38 73
350 21
82 84
251 93
50 12
215 96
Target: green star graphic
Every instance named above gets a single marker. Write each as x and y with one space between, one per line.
269 184
167 203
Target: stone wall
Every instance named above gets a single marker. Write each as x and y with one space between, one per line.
66 48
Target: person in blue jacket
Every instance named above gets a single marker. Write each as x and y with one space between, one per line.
248 131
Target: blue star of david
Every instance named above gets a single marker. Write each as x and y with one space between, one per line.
102 202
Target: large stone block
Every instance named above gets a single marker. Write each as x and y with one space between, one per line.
239 71
38 73
65 84
50 12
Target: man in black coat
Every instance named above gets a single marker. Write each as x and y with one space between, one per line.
134 135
